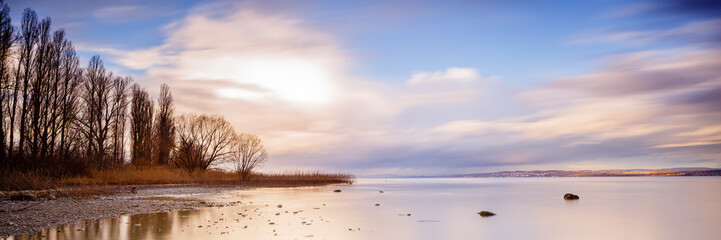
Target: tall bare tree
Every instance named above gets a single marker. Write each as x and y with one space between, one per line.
29 37
7 40
141 127
51 130
119 119
40 87
203 140
248 154
165 125
69 104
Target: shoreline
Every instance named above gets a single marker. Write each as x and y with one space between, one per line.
25 217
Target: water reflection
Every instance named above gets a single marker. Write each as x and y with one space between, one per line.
609 208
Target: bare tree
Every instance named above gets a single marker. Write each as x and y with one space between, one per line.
248 154
141 127
164 125
69 104
6 43
119 118
38 97
203 141
51 130
99 112
29 37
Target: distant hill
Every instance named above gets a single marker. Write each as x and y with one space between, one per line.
597 173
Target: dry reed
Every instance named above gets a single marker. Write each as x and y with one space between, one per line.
163 175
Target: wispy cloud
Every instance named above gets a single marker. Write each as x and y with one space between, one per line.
640 99
450 75
632 9
130 12
696 31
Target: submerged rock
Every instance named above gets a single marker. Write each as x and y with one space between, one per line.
570 196
486 213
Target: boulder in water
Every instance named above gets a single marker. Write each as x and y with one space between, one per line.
570 196
486 213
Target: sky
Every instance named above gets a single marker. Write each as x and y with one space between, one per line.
384 88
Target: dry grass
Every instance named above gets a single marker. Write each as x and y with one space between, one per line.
22 180
162 175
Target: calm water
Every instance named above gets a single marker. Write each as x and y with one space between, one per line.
527 208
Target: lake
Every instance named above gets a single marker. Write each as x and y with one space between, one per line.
440 208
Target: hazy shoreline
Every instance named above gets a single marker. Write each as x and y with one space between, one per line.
703 172
47 213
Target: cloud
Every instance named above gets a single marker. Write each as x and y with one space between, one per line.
117 12
450 75
703 31
659 102
632 10
648 72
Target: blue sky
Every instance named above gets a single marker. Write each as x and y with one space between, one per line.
428 87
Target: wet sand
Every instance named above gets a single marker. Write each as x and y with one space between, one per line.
23 217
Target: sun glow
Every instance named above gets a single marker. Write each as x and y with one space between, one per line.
290 79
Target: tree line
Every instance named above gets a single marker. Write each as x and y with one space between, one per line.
59 117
